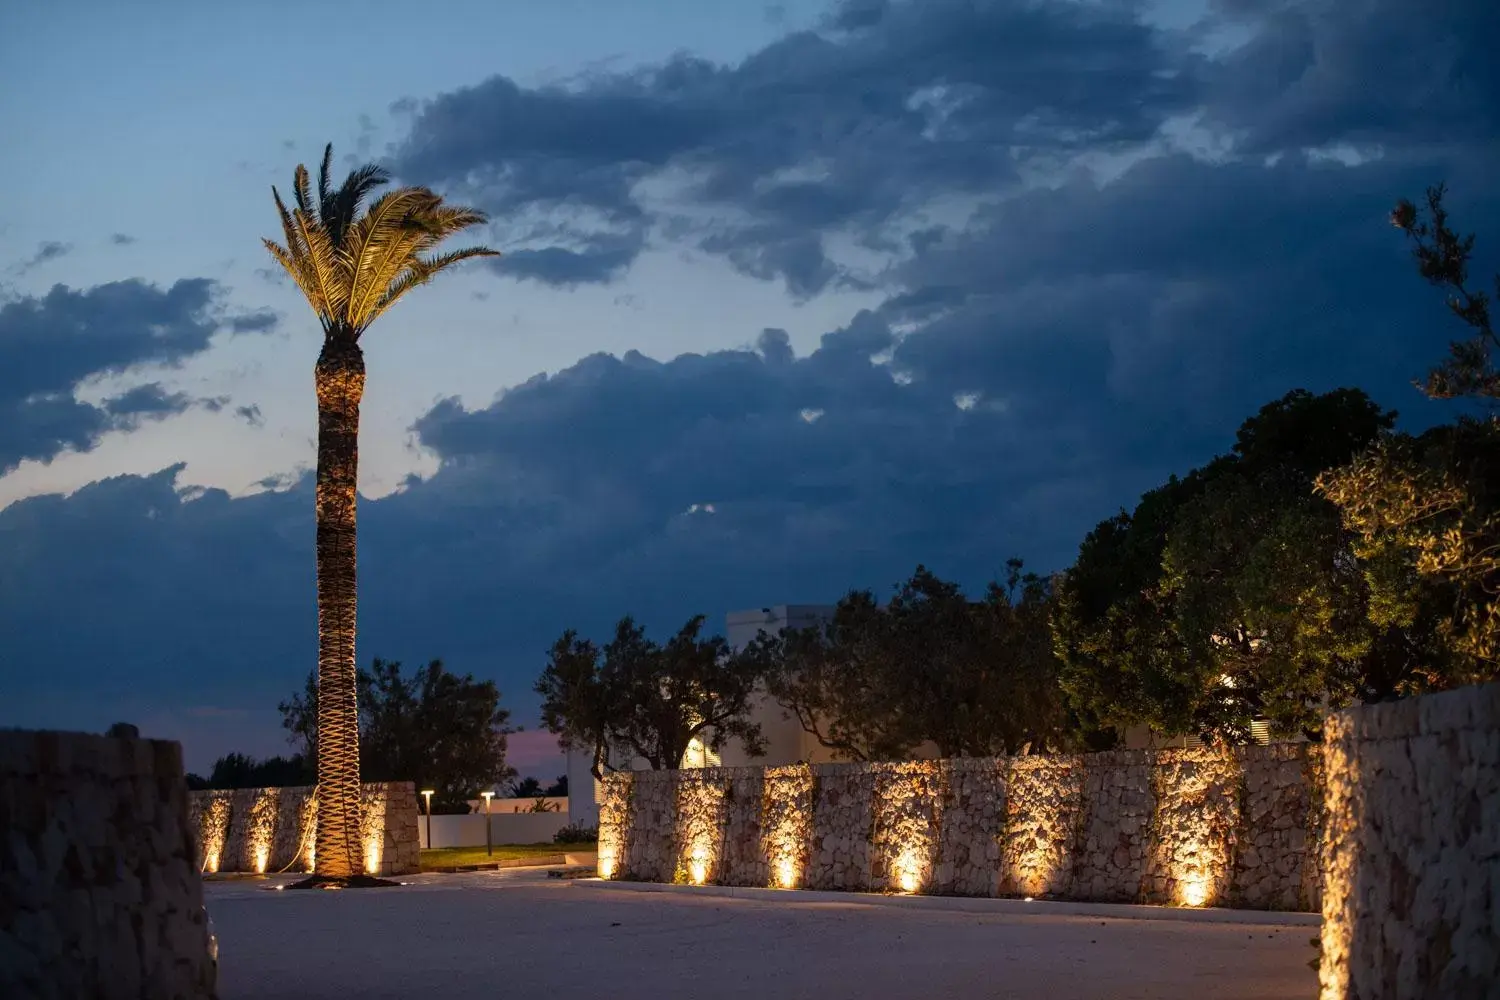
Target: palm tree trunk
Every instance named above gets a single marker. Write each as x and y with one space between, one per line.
340 380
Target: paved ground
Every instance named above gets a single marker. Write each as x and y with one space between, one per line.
489 934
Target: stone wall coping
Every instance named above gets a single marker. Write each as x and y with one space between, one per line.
57 752
1474 707
378 786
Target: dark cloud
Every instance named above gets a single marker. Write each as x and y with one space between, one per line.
271 275
256 322
600 262
1045 350
1366 72
51 343
811 136
364 141
149 400
851 15
251 415
46 251
121 239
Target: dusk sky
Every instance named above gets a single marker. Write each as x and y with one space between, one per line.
795 296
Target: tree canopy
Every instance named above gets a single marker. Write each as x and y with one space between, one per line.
635 697
443 731
237 770
1426 508
974 678
1235 594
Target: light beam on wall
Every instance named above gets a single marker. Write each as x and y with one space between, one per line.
213 829
908 869
261 827
374 850
1194 890
698 864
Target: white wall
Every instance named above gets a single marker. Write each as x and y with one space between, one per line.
559 803
583 790
786 741
505 828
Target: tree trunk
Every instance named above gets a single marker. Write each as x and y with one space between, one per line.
340 380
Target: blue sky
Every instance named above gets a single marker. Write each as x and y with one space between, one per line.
879 282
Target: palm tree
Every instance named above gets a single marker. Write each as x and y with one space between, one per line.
352 267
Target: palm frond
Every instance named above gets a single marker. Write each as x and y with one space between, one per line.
341 207
352 264
379 246
325 187
444 261
322 266
298 254
290 264
414 274
420 271
450 219
360 182
300 184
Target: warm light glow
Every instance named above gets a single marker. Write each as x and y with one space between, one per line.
213 830
698 864
699 754
373 851
786 872
261 855
1194 890
908 870
606 866
1036 866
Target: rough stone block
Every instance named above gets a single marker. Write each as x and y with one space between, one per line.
100 894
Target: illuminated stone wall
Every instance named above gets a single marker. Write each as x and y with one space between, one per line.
743 862
1411 903
841 836
99 896
614 824
1042 799
1276 857
651 843
1186 827
272 829
971 831
1120 799
785 825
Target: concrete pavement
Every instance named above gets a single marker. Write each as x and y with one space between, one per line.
487 934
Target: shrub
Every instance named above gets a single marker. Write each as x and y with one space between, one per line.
576 834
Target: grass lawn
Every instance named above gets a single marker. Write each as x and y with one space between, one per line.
446 856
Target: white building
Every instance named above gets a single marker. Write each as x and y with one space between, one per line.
786 742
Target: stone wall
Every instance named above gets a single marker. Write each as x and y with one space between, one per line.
1189 827
1411 906
99 896
272 829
